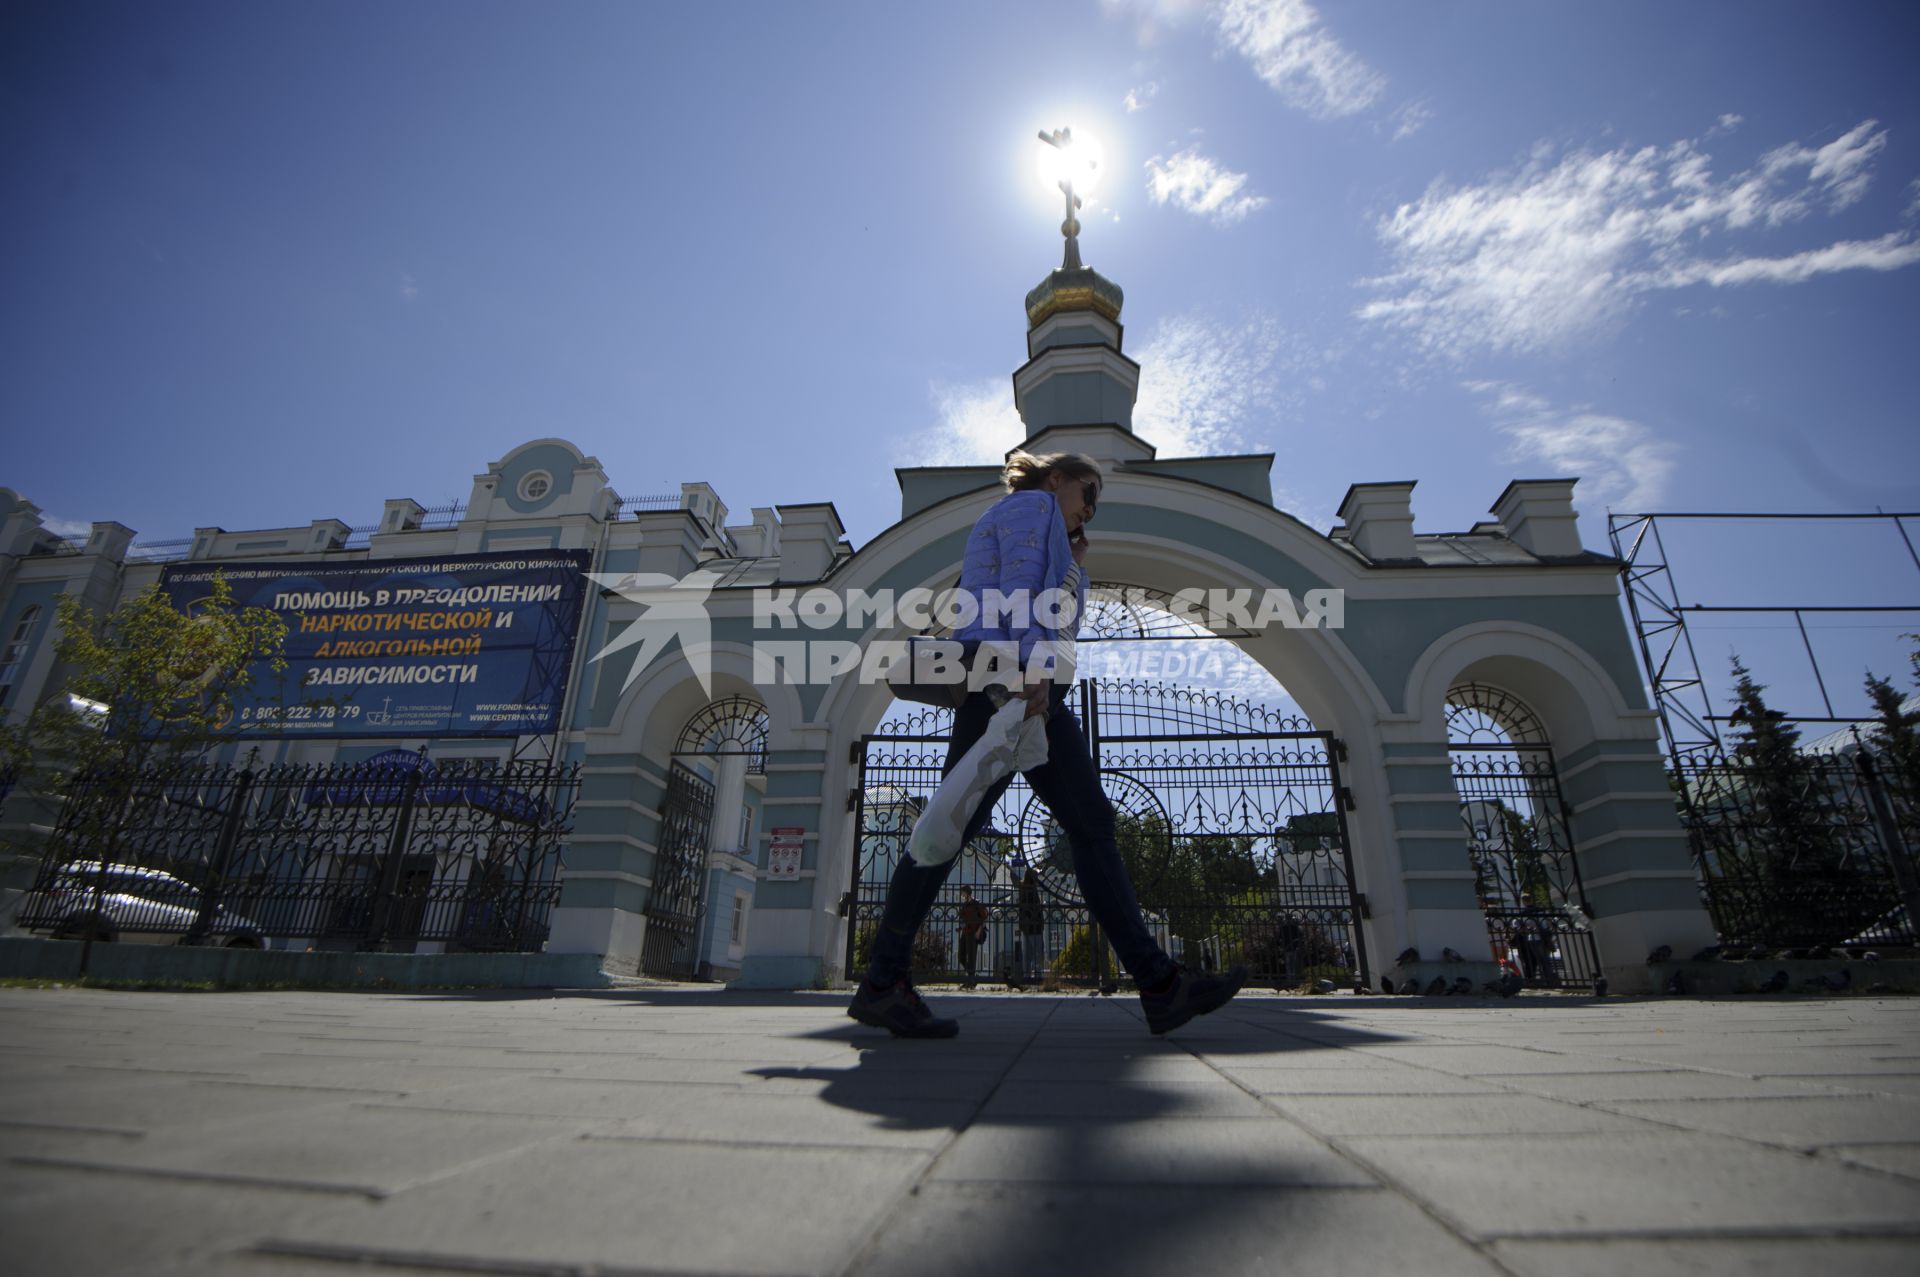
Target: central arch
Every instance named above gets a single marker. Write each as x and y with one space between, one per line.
1226 543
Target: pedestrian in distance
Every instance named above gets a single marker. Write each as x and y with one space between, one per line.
1029 543
973 930
1033 926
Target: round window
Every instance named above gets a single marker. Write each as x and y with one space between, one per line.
536 485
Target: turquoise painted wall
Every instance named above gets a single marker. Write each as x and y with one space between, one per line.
1387 637
40 594
555 460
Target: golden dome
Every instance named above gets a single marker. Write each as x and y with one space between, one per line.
1079 289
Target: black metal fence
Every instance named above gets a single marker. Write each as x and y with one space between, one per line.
381 855
1820 855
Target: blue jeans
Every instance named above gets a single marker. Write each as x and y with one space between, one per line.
1070 787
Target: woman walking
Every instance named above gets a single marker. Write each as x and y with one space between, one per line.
1029 542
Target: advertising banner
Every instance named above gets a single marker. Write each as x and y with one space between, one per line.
458 645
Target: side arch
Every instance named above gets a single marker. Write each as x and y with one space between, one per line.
651 714
1633 857
1570 691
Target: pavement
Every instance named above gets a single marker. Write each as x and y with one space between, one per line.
690 1130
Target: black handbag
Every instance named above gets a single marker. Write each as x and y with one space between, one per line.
914 679
934 671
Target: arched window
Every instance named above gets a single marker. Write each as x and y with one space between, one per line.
734 726
14 655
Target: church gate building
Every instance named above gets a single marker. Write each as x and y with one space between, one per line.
1474 774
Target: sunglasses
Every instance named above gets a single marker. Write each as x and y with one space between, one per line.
1090 495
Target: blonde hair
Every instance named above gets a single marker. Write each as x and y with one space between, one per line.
1025 471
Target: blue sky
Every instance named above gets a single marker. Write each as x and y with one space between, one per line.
267 263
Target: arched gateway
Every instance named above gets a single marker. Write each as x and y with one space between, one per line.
1514 608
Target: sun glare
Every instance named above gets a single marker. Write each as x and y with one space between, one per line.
1082 161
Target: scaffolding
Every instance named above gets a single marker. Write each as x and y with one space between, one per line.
1688 721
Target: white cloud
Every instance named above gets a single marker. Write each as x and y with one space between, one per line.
1152 19
1137 98
1843 166
1410 119
1203 382
1620 463
1297 58
1890 252
1197 184
1568 244
1206 386
976 425
1726 124
409 289
1508 399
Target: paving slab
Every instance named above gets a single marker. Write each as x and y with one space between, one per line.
1874 1084
160 1101
1118 1101
1895 1159
630 1206
1222 1152
1714 1257
1473 1060
893 1121
1282 1079
948 1229
1517 1115
105 1225
374 1152
248 1262
1804 1122
1651 1181
686 1129
1666 1084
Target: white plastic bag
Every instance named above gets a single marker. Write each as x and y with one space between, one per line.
1012 743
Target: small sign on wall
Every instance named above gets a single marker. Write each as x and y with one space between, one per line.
784 846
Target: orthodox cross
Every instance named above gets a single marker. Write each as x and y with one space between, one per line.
1062 140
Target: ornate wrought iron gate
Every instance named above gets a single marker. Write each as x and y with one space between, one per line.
1231 817
1525 870
679 877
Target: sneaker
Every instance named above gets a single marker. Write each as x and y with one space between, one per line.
899 1010
1188 995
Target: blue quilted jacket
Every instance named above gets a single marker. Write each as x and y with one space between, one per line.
1020 543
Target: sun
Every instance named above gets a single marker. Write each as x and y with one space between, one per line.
1082 161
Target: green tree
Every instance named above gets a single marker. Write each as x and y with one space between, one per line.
1896 734
139 691
1531 879
1790 863
1190 880
1895 758
164 681
136 693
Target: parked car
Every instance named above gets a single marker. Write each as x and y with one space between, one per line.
131 904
